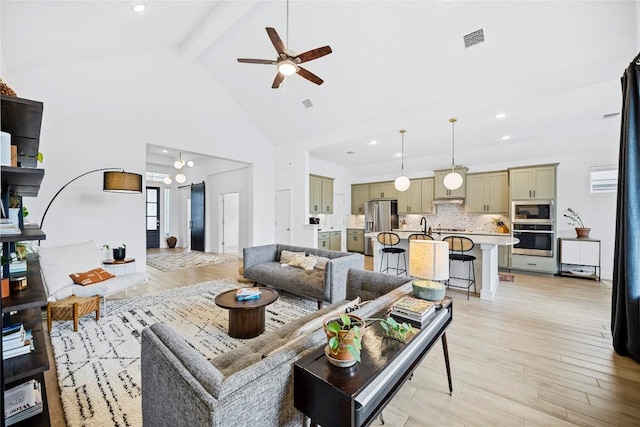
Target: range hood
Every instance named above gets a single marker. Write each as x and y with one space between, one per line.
459 201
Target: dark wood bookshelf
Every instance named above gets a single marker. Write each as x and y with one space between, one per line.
41 419
23 180
33 296
25 366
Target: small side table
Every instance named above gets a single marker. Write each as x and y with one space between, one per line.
246 318
120 266
72 308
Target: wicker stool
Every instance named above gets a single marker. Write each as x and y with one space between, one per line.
73 307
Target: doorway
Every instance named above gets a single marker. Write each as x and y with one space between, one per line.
283 217
230 226
153 217
197 217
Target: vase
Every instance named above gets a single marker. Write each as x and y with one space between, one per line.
172 241
582 233
119 253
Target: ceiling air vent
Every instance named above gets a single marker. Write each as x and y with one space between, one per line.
474 38
307 103
610 115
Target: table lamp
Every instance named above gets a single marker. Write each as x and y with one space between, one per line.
429 261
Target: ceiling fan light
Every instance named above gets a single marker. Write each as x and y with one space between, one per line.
402 183
287 67
167 180
180 178
452 181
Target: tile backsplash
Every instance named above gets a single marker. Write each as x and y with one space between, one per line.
446 216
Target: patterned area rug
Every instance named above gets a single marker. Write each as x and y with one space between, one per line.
99 366
182 261
507 277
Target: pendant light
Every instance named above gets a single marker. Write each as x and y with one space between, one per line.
453 180
402 183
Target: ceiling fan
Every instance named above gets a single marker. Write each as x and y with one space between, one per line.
288 62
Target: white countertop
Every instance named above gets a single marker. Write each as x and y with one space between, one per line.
500 239
482 233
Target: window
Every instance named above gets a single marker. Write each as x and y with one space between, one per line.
155 176
167 204
604 179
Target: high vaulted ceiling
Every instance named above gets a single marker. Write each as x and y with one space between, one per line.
553 67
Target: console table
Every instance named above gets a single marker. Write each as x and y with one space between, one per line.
332 396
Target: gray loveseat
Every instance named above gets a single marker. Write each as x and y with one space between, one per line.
262 265
251 385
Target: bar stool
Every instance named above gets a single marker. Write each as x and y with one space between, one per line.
458 248
389 242
420 237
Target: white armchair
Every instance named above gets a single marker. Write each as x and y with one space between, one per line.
57 263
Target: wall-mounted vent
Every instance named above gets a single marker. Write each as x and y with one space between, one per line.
474 38
610 115
307 103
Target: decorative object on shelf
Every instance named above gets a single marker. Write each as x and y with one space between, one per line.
179 164
114 182
574 219
453 180
5 148
172 241
402 183
6 90
119 253
5 280
429 260
344 335
18 283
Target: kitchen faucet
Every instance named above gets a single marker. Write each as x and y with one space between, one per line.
424 226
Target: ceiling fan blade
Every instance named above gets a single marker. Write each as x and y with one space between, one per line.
309 76
257 61
314 54
277 81
277 42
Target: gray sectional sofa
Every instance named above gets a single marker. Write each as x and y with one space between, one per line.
262 265
251 385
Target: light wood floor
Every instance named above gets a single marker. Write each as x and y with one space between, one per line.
539 354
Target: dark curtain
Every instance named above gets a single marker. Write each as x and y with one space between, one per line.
625 307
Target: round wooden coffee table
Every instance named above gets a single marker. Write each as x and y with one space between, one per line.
246 318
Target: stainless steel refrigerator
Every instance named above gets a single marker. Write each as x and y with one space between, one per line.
379 215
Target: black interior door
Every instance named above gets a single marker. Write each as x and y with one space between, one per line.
197 217
153 217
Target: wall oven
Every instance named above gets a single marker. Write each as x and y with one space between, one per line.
532 211
535 239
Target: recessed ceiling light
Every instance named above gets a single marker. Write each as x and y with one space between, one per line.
501 116
373 142
139 8
398 154
165 151
504 138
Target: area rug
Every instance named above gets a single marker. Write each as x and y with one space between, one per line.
506 277
99 366
182 261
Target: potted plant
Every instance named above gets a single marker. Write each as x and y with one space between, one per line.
119 253
574 219
344 334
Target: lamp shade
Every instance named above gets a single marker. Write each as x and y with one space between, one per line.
452 181
122 182
402 183
429 259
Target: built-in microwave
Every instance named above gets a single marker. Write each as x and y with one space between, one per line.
538 211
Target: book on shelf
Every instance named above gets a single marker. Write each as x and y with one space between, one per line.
25 346
22 402
11 344
13 332
413 307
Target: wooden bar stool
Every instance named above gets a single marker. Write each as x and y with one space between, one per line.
389 242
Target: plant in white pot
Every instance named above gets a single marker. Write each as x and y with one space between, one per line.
574 219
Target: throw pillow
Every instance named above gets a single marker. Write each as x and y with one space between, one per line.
285 256
321 262
302 261
90 277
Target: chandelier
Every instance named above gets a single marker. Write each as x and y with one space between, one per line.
179 164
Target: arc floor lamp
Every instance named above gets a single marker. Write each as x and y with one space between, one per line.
115 180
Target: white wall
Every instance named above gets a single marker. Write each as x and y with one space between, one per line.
100 113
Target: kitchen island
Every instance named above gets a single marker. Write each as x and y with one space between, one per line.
485 250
